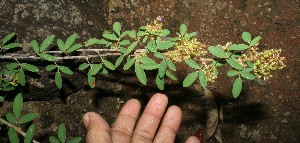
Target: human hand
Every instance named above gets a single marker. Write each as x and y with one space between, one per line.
124 130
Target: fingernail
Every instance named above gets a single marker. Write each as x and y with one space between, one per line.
86 120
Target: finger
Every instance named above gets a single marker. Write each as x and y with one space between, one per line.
97 128
149 121
123 127
169 126
192 139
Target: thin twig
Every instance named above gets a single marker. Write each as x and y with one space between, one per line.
16 128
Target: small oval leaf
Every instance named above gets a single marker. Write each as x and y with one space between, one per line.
237 87
140 73
29 134
65 70
58 80
28 117
61 133
190 79
18 105
13 136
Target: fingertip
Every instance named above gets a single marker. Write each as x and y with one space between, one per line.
192 139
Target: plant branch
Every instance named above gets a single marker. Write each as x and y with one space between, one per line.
16 128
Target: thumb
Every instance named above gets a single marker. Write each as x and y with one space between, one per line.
97 128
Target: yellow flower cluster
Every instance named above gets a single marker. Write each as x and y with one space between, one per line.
267 61
156 27
186 49
208 71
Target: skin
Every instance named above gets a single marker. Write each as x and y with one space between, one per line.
147 130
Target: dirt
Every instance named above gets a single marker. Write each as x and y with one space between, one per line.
265 111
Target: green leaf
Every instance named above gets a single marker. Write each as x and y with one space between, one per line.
238 47
91 80
109 65
8 37
190 79
165 32
35 46
170 75
123 34
13 136
58 80
187 36
124 42
61 133
131 47
11 66
28 117
119 61
74 48
83 66
140 73
192 64
10 117
95 41
202 78
160 82
18 105
171 65
232 73
47 57
159 55
145 39
29 67
70 41
218 52
21 77
247 70
132 34
95 68
61 45
255 41
110 36
235 64
75 140
146 60
140 33
165 45
129 63
65 70
247 75
104 71
246 36
151 46
53 139
117 27
183 29
11 45
237 87
162 69
29 134
46 43
50 67
150 66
